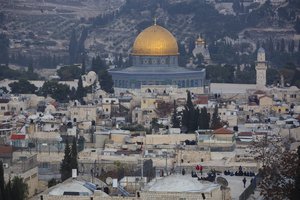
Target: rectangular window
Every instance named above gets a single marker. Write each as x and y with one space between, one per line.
45 165
2 107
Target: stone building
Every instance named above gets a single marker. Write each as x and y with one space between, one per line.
155 62
261 68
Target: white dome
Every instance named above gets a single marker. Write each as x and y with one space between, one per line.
180 183
74 186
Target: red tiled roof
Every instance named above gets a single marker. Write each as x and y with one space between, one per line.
201 100
245 134
222 131
17 137
6 150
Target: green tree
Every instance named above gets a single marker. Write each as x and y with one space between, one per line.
279 167
80 45
236 6
52 182
215 121
175 119
282 45
65 168
98 65
154 124
106 81
2 183
30 68
74 156
80 92
22 87
8 191
60 92
19 189
4 46
204 119
272 76
297 25
68 73
2 18
83 67
190 115
73 47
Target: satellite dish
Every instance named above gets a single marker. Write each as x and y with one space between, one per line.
109 180
222 181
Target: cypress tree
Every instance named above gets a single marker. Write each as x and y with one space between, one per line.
4 46
106 81
196 119
8 191
65 168
190 117
80 92
282 45
204 119
215 121
73 47
19 189
83 67
2 183
175 120
297 25
74 162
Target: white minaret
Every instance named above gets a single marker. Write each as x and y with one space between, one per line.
261 69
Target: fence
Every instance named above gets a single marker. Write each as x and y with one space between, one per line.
250 189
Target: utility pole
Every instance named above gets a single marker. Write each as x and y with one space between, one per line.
166 162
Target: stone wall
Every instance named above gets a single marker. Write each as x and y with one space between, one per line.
169 139
193 156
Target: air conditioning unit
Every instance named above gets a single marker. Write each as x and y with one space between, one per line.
5 165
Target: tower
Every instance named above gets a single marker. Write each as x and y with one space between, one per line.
261 68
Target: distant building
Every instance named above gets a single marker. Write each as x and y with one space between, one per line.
183 187
155 62
261 68
201 48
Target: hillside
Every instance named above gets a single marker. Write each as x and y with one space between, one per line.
41 32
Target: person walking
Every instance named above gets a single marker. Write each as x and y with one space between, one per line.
244 181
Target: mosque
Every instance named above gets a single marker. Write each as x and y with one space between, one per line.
155 62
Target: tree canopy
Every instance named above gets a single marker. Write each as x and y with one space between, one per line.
69 72
69 161
60 92
4 46
22 87
15 189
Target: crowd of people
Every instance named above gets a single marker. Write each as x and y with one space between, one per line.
239 173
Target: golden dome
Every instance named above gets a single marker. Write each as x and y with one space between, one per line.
155 41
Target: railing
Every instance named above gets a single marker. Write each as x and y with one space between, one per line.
222 149
251 188
123 191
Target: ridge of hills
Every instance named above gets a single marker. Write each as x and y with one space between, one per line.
113 25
